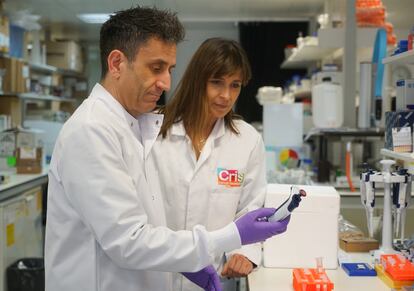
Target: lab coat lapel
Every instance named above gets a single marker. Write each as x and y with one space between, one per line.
217 132
150 125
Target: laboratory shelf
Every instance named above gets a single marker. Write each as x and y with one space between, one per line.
44 97
402 58
344 131
305 56
42 68
408 157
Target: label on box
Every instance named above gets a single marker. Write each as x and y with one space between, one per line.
25 71
401 139
27 153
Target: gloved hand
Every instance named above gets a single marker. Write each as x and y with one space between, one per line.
206 278
253 226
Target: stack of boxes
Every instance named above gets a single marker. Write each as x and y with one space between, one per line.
15 75
4 34
64 55
22 149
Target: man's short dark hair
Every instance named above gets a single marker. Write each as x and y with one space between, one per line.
128 30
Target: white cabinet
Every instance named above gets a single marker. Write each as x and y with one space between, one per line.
20 229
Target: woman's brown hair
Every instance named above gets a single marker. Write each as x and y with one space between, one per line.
216 57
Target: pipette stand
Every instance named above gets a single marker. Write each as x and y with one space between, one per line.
388 178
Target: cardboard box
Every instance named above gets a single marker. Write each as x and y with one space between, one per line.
4 34
29 160
65 55
10 140
363 244
9 78
312 231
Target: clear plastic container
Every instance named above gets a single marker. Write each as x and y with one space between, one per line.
327 104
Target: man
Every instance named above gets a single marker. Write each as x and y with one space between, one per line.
105 224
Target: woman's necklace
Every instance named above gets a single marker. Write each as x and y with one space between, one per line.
201 144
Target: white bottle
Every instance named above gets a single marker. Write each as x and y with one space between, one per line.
327 104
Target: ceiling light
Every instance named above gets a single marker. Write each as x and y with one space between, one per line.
94 17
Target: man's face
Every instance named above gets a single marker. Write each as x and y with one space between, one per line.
143 81
222 93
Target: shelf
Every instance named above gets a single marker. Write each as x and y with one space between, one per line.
51 69
345 131
44 97
335 37
306 55
408 157
402 58
42 68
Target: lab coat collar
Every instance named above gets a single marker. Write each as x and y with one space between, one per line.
218 131
100 92
149 123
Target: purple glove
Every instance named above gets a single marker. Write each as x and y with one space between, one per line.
253 226
206 278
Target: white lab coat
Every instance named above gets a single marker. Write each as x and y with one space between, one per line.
105 224
192 191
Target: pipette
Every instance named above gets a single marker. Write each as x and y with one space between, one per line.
289 204
401 194
368 198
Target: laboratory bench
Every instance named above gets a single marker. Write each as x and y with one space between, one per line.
270 279
19 183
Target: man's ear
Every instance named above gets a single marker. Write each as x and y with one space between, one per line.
115 60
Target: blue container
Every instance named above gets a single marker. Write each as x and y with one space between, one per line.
16 41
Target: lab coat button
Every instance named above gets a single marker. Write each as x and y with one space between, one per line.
157 122
132 124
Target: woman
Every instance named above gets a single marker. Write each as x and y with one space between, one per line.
211 163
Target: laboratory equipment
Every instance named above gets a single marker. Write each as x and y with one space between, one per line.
367 189
401 182
365 95
292 202
398 267
388 280
401 198
380 51
349 166
312 230
311 280
327 104
358 269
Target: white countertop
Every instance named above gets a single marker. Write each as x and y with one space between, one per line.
17 179
269 279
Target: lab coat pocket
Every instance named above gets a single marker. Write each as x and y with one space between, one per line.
222 209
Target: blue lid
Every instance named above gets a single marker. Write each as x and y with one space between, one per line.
358 269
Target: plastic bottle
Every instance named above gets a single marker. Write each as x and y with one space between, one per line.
299 40
327 104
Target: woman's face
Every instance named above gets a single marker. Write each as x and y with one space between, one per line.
222 93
